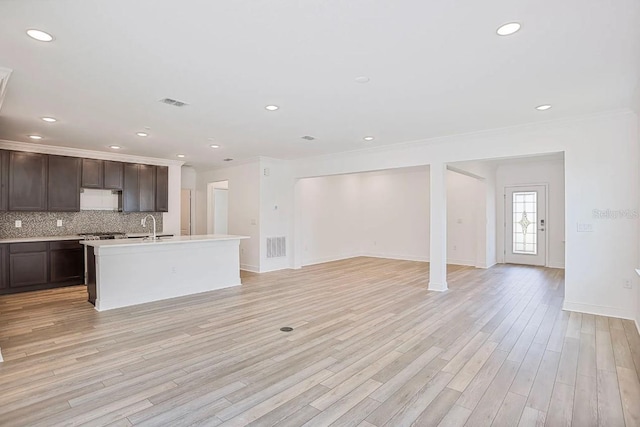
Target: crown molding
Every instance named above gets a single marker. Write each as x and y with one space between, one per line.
88 154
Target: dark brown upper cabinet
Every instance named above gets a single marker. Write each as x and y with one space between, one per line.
147 175
92 173
139 191
113 175
162 189
4 181
27 181
131 188
64 184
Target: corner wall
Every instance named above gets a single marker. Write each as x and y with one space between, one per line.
547 172
601 172
244 207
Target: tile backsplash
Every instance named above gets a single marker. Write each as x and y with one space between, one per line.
43 224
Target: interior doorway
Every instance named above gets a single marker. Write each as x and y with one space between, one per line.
185 212
218 207
526 224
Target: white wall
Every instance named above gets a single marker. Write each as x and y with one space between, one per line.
536 172
244 207
331 218
385 214
463 210
276 211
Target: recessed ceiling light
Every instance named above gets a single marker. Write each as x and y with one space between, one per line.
115 147
49 119
214 146
35 137
271 107
543 107
143 134
39 35
362 79
368 138
508 29
181 155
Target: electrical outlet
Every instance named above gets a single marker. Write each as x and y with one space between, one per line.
628 284
18 223
59 223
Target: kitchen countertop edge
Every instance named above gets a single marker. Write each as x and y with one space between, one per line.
39 239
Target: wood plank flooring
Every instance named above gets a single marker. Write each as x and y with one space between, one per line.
370 347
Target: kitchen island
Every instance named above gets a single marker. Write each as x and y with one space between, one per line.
125 272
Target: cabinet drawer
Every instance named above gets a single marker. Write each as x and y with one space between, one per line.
65 244
19 248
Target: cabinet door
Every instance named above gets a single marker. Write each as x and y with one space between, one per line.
131 188
64 184
27 269
162 189
92 175
27 181
3 266
113 175
66 265
4 180
147 188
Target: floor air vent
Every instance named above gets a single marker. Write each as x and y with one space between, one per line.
276 247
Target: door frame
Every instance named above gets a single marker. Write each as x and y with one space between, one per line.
546 217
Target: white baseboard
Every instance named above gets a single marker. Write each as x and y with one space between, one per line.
465 262
251 268
396 256
598 310
329 259
556 264
485 266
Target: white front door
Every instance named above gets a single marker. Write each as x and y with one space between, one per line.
526 225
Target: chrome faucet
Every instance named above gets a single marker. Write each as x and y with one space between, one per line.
144 224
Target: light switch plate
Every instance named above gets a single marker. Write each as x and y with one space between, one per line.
18 223
59 223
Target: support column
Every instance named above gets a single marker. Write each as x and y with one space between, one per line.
438 228
297 225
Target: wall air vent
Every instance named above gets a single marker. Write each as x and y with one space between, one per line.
4 79
173 102
308 138
276 247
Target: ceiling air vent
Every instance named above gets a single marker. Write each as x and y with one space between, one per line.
308 138
227 160
173 102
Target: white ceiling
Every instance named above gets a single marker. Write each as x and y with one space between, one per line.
436 68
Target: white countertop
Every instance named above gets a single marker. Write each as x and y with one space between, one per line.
162 241
70 237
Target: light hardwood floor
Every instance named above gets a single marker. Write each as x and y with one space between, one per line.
370 347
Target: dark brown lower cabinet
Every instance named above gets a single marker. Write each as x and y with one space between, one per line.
3 267
40 265
66 260
28 264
